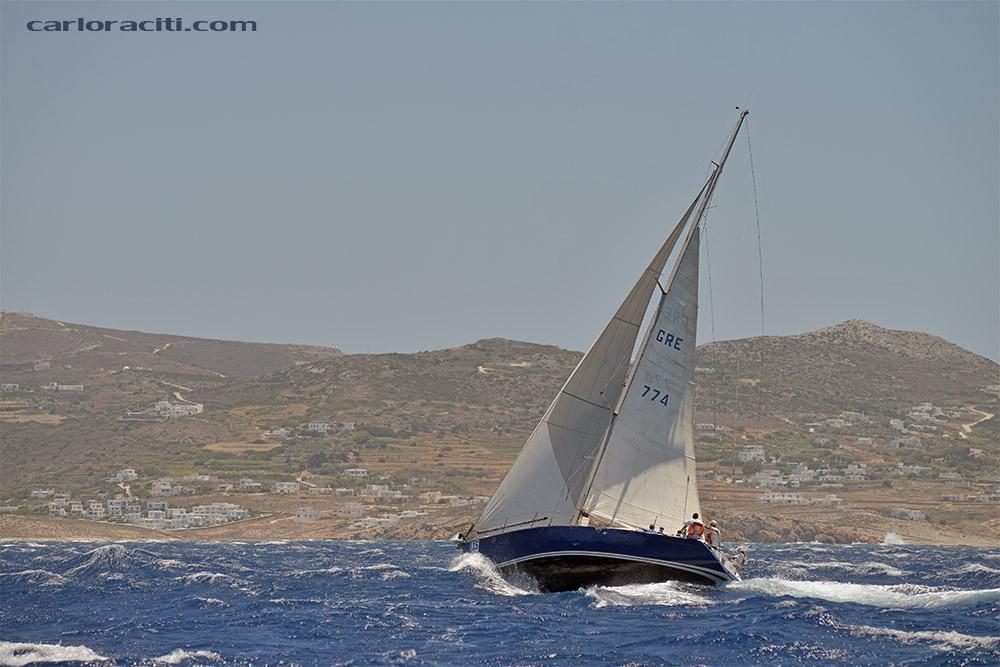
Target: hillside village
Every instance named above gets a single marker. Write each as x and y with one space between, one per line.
846 433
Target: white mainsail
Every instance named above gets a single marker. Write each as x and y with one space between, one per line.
548 476
647 472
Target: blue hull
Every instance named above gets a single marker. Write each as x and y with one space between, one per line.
562 558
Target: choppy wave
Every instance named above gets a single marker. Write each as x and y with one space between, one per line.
671 594
316 572
103 558
180 655
941 640
36 577
974 568
490 579
864 569
200 577
212 602
902 596
805 602
15 654
394 574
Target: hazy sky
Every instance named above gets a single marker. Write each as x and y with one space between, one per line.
398 177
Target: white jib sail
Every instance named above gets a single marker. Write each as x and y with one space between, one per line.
547 479
646 474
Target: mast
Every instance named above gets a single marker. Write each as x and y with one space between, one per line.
705 198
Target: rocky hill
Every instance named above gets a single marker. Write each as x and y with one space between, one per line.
26 340
854 365
452 420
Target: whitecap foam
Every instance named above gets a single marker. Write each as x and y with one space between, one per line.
942 640
214 602
905 596
490 579
179 655
394 574
15 654
171 564
199 577
668 593
310 573
38 577
973 568
866 568
106 557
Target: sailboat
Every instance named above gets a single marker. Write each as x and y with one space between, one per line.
614 452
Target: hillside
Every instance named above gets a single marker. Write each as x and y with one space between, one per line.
452 420
27 340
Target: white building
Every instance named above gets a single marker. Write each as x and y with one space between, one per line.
829 500
908 471
344 492
430 497
349 511
125 475
9 387
160 488
772 498
356 472
307 515
43 493
318 490
751 453
168 410
865 442
906 442
768 478
247 484
897 424
855 417
318 427
856 472
906 514
286 487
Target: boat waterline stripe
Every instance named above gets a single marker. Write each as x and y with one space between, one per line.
694 569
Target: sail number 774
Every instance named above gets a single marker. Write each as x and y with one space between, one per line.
657 394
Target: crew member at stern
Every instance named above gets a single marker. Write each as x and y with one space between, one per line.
694 528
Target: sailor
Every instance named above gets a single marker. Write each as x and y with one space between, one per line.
660 531
713 535
694 527
651 530
740 559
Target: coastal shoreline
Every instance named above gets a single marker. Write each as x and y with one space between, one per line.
19 528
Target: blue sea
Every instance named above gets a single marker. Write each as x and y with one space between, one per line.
420 603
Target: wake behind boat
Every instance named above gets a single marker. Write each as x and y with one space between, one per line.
614 452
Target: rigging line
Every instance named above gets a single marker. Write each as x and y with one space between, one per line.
711 318
760 271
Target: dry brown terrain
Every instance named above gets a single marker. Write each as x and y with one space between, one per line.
453 420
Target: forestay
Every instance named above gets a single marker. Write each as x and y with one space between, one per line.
548 477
